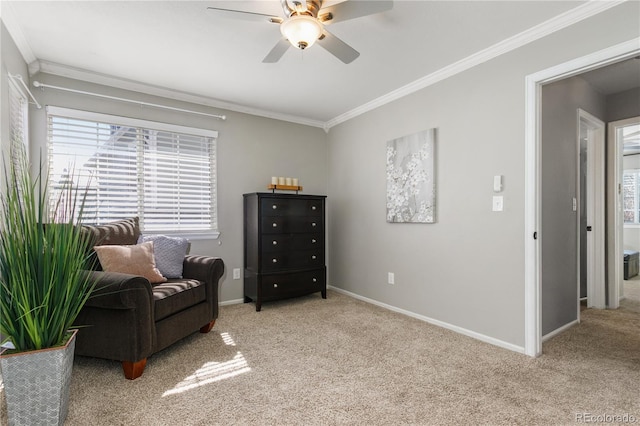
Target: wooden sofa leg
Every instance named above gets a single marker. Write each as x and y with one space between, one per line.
133 370
207 328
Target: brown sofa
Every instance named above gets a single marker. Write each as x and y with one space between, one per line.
127 319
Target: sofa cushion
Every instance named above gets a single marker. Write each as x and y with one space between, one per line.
130 259
175 295
121 232
169 253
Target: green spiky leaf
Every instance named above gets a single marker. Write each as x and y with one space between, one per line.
42 256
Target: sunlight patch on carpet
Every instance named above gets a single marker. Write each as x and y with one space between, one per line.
227 339
212 372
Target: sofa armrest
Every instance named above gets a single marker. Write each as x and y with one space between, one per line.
208 270
114 290
117 322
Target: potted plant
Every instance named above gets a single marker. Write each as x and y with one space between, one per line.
42 289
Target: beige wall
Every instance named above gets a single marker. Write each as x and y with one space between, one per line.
624 104
250 150
466 270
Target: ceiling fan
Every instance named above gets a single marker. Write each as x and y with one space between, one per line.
304 24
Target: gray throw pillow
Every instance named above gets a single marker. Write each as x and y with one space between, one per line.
168 252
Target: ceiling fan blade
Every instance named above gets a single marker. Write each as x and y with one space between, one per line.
247 16
337 47
277 51
353 9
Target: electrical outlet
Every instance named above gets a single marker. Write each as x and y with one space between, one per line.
498 203
236 273
392 278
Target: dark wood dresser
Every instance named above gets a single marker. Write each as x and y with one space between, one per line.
284 243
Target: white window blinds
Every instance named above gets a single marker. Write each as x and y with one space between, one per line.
164 174
18 124
631 196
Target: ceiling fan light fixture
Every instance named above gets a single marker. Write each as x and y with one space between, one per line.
301 30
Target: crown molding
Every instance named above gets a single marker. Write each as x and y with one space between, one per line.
559 22
14 29
566 19
136 86
35 65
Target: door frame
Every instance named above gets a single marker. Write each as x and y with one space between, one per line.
532 228
615 215
596 206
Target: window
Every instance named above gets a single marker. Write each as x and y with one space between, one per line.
18 124
164 174
631 197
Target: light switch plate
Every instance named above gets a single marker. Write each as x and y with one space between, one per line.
498 203
497 183
236 274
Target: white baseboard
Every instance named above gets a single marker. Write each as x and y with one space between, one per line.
559 330
231 302
457 329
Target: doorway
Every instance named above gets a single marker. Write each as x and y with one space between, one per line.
591 208
533 251
617 134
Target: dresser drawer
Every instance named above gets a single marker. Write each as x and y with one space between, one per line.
302 259
292 224
276 286
275 243
290 207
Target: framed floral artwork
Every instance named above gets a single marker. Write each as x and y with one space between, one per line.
411 188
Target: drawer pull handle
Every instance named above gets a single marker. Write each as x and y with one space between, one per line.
313 207
275 286
275 225
275 243
313 224
313 257
315 280
274 207
313 240
274 260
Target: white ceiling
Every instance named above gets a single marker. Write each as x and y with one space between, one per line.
179 45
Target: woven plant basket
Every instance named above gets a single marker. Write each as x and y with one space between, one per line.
36 384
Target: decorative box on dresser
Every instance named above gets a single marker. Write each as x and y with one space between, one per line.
284 243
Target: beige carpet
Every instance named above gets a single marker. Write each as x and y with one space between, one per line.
309 361
631 300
